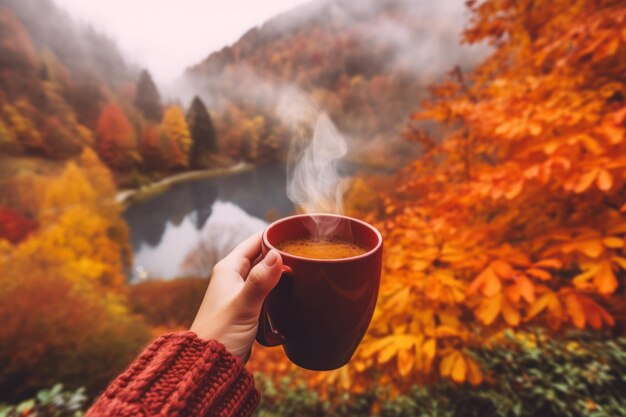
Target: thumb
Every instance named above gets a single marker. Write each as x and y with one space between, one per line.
261 280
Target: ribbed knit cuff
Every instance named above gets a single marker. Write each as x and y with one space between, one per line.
181 375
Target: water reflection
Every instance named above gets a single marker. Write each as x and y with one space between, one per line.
172 234
149 218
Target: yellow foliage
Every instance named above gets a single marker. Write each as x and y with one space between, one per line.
81 231
175 127
517 217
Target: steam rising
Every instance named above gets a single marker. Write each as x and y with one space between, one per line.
314 182
313 179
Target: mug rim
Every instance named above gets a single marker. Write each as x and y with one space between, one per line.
331 260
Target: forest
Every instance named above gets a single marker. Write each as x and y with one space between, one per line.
497 178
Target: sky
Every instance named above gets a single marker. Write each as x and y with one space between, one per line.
167 36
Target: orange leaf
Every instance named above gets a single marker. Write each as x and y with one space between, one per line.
502 268
487 281
459 369
445 367
446 331
623 209
585 181
523 288
513 293
594 314
534 128
405 362
474 375
620 261
489 309
510 313
615 134
539 305
376 346
605 280
618 229
575 310
539 273
526 289
430 348
613 242
533 170
515 190
549 263
604 180
592 248
589 143
582 280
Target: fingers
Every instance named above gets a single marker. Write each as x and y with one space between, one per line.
261 280
240 259
249 248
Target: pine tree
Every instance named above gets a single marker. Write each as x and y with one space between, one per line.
148 100
202 133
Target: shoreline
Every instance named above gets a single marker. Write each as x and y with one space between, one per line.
129 197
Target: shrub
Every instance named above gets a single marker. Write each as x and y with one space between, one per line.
578 375
56 330
171 303
53 402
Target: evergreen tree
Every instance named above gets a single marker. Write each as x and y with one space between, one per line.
148 100
202 132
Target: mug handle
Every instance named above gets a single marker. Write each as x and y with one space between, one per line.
267 334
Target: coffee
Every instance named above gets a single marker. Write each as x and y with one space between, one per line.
321 249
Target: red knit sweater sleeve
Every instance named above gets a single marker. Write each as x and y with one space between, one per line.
180 375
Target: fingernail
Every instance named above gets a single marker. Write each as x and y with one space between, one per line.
271 258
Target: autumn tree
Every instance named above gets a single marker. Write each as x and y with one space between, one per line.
71 269
21 128
179 139
116 140
79 334
252 132
98 175
153 147
147 99
60 142
8 143
202 133
517 219
86 95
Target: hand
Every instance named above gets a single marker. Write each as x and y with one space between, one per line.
230 310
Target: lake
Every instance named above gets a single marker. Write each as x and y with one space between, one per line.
186 229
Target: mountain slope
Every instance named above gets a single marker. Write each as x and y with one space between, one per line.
79 47
55 76
366 62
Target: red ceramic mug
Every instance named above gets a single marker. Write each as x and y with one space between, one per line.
321 308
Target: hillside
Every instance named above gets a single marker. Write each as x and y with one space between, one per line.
65 87
367 63
55 75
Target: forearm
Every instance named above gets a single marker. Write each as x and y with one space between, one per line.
180 375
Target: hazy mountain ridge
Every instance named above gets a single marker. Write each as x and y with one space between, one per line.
55 77
366 62
78 46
